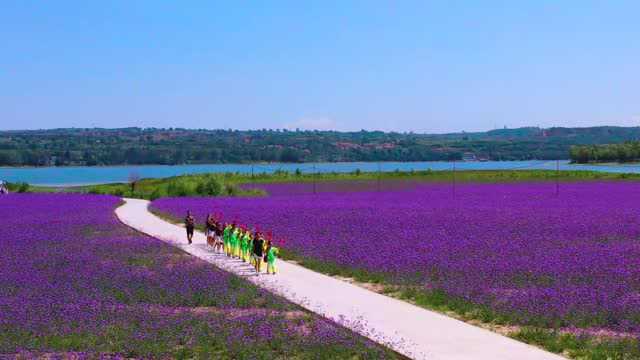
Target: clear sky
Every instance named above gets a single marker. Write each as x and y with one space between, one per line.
421 66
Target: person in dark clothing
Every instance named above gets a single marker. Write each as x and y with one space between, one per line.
258 252
210 230
190 224
218 243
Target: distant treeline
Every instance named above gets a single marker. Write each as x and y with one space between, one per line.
626 152
90 147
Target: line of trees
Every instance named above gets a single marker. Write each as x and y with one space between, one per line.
135 146
90 147
625 152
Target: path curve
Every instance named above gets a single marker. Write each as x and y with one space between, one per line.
413 331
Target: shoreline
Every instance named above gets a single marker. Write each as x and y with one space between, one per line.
79 176
276 164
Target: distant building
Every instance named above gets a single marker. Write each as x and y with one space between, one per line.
347 145
468 156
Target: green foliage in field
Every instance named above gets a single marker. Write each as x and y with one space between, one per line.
21 187
180 186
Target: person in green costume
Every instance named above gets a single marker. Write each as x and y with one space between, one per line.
225 238
235 242
240 245
231 240
244 242
272 255
247 237
250 247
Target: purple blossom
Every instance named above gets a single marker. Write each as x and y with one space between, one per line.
76 283
571 260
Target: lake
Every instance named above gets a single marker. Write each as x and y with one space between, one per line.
85 175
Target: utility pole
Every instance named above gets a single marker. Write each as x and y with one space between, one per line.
454 178
557 178
252 171
379 175
314 178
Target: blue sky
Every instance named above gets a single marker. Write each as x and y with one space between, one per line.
421 66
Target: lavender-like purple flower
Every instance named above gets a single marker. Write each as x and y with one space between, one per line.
76 283
571 260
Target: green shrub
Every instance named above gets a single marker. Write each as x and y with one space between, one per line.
178 188
157 193
18 187
23 187
231 190
209 186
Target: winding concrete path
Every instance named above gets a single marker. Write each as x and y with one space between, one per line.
408 329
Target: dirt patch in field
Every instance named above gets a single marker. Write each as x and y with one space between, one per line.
231 313
598 333
378 288
61 355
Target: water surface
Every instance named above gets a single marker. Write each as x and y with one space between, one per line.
66 176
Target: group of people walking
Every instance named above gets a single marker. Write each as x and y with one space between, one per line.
237 242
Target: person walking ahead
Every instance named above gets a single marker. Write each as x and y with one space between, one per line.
190 224
218 239
210 230
258 252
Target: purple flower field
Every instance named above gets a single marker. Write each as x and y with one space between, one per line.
570 261
75 281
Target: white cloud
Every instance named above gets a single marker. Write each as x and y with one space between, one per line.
313 123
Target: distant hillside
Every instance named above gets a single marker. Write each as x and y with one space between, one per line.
64 147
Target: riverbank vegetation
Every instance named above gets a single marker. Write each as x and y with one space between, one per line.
607 153
20 187
180 186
